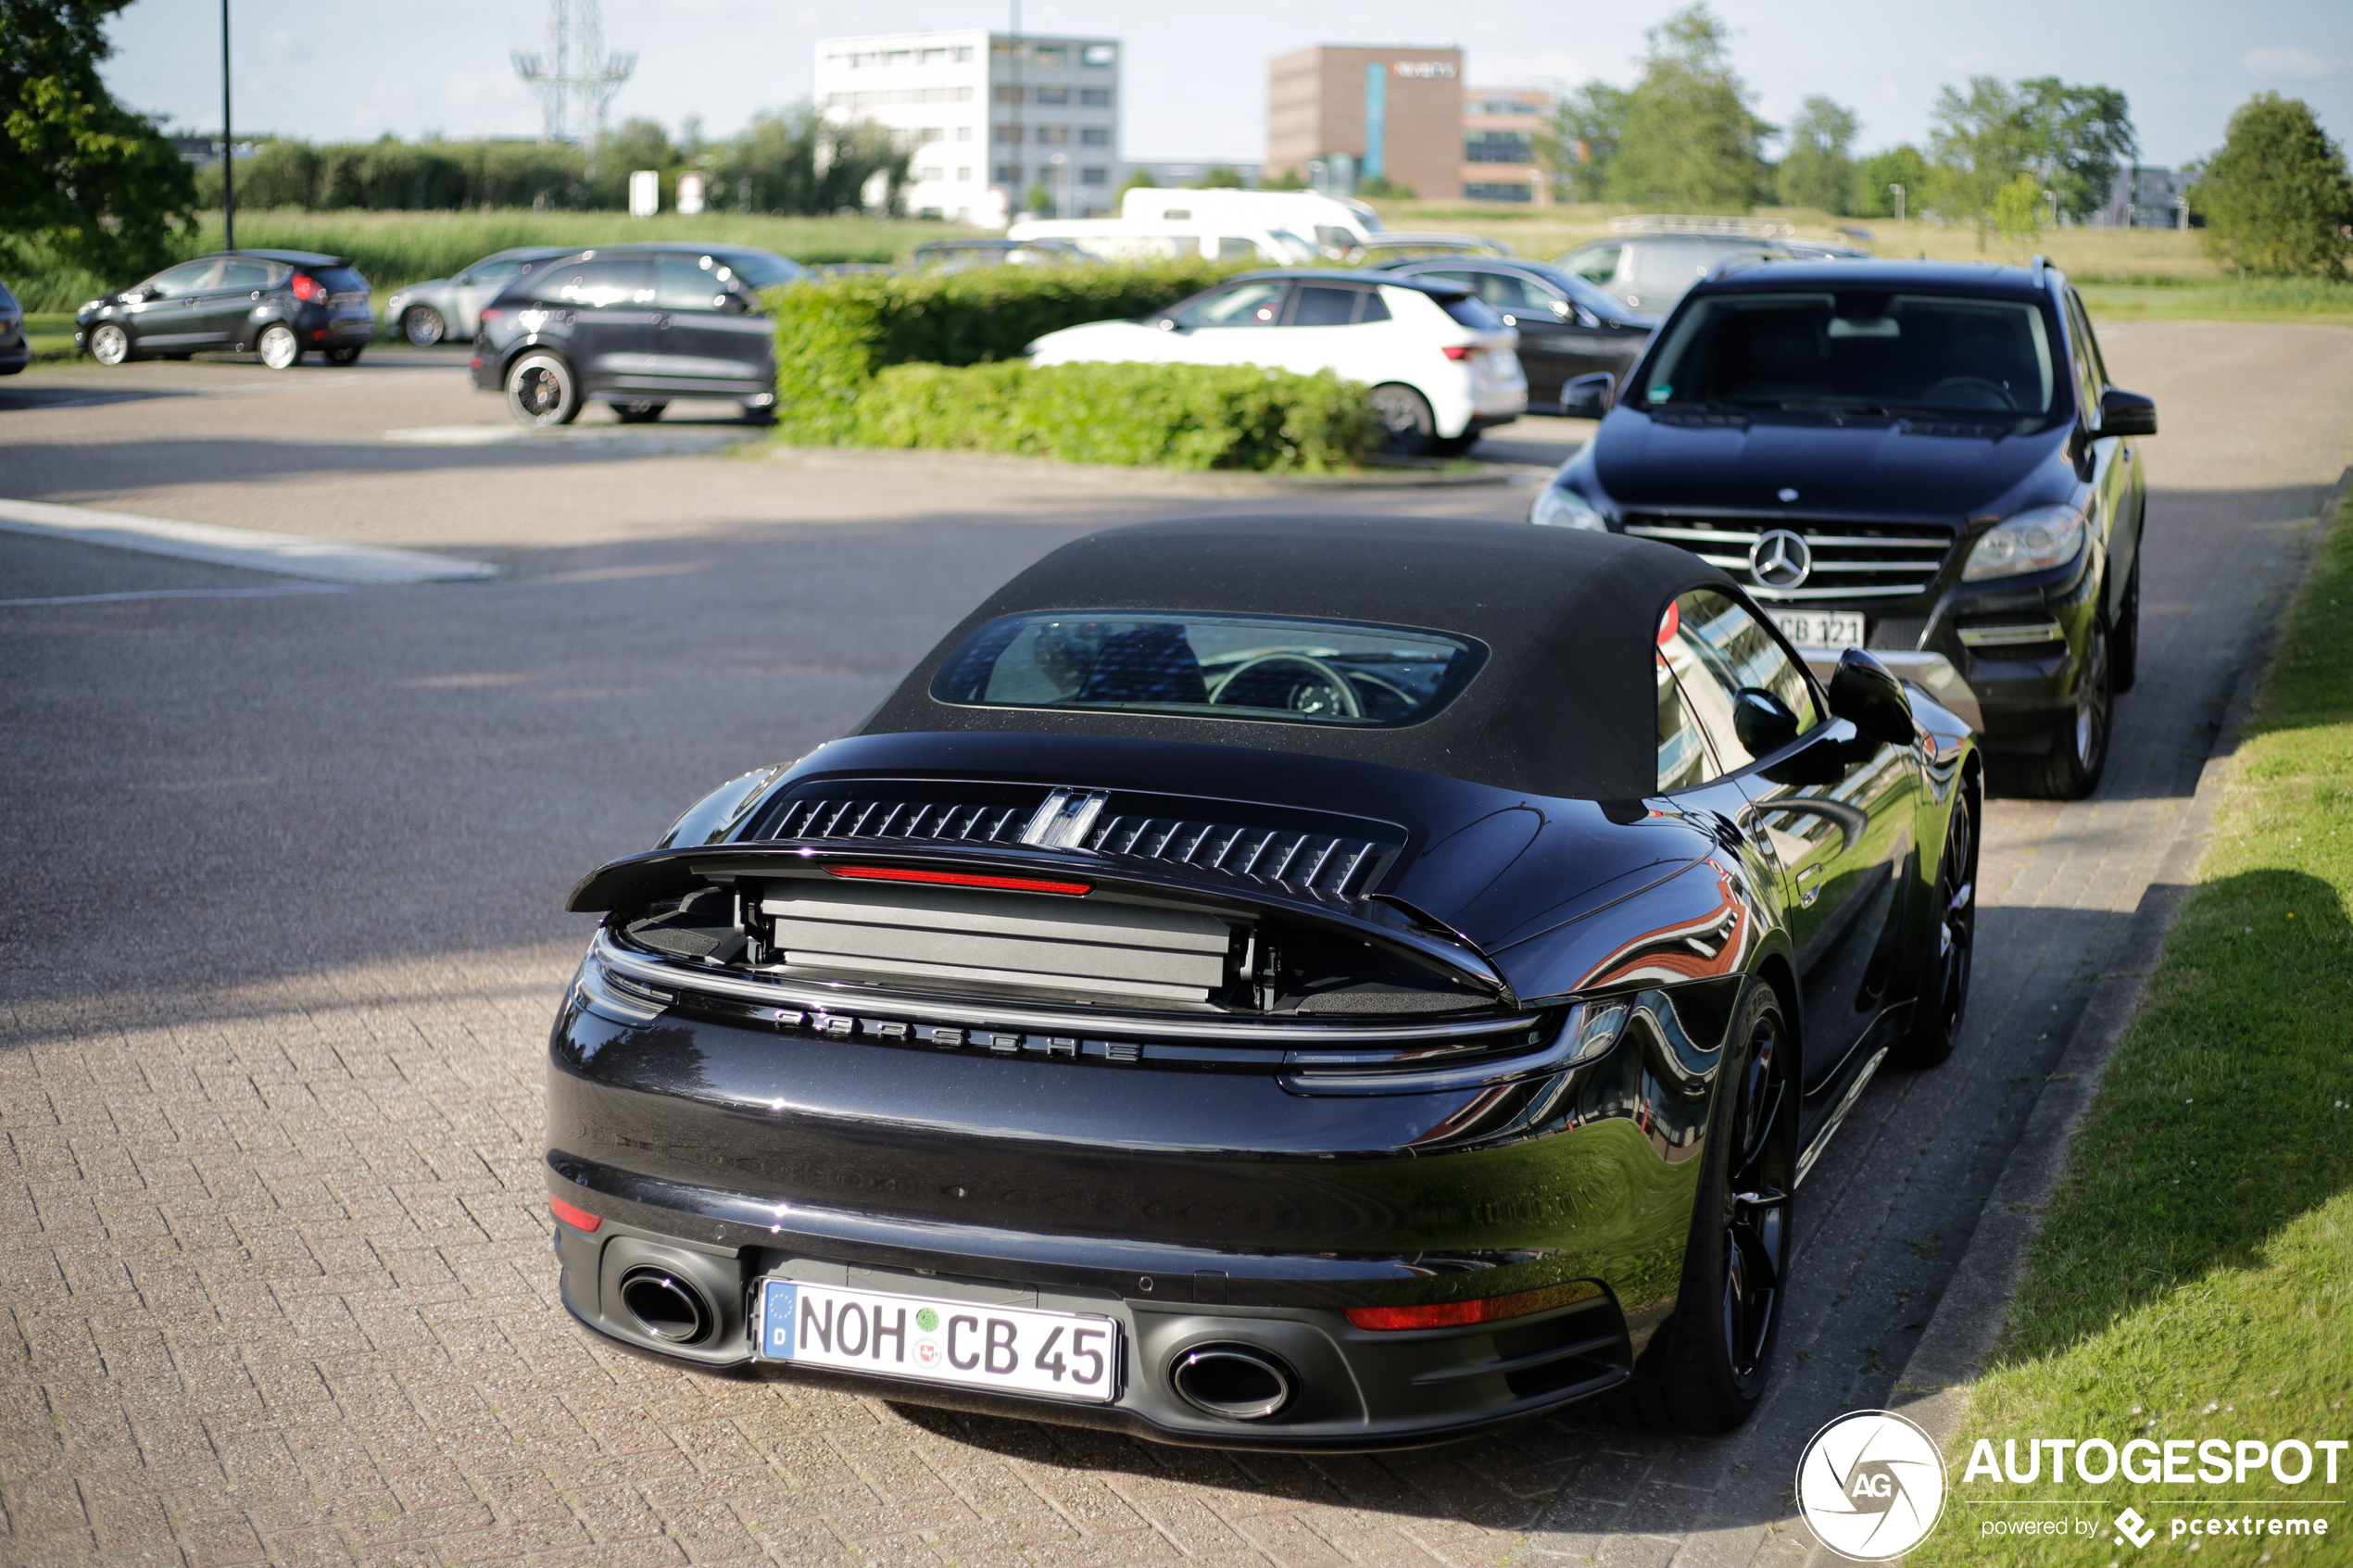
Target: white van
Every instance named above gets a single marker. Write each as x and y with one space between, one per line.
1335 223
1118 239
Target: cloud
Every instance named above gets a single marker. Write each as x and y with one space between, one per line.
2293 63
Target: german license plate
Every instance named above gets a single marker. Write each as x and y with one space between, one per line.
1821 628
974 1345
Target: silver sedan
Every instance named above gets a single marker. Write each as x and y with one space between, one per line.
451 307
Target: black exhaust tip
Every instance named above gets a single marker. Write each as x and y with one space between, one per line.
1232 1381
667 1306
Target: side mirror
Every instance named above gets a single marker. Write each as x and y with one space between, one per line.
1868 696
1589 397
2126 413
1761 722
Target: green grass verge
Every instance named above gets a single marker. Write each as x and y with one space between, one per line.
2194 1279
2242 299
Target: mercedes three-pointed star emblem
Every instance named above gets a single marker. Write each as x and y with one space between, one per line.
1780 559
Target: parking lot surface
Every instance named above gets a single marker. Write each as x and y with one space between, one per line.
284 934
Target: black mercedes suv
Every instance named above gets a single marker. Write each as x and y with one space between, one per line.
1923 459
278 304
633 326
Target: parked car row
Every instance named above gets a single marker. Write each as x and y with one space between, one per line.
279 303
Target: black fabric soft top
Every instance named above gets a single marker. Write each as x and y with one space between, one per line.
1567 703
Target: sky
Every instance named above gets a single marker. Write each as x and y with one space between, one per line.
1196 73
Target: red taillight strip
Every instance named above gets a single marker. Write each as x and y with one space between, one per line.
1459 350
579 1219
1485 1309
962 879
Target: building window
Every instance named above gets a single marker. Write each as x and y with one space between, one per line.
961 95
1477 192
1099 55
1094 176
963 132
964 54
1497 146
963 177
1095 97
900 58
929 134
1008 174
1009 133
935 57
1053 57
1094 136
926 176
1009 94
1055 135
1054 95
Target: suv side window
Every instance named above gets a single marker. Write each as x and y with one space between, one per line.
2091 372
1329 305
244 275
591 283
1599 267
189 277
687 282
1716 650
1241 304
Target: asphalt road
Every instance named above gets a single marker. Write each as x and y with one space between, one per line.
284 933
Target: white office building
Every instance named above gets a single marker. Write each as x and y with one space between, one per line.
995 122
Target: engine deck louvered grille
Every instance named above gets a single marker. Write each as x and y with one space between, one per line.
1321 864
1851 560
936 821
1309 863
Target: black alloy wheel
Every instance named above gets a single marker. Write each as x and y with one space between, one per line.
2072 768
1411 429
1944 999
422 325
541 391
1711 1370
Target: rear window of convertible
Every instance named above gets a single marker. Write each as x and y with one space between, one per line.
1211 666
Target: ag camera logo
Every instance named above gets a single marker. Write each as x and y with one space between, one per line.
1871 1486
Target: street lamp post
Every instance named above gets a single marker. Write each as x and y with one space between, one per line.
1895 191
228 145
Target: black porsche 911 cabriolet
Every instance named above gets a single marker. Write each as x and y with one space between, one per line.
1272 983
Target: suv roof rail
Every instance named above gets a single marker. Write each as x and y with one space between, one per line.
2042 265
1738 261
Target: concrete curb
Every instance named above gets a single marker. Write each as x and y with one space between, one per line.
1935 1387
1187 481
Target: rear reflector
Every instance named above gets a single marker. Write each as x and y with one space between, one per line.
961 879
1459 350
1487 1308
578 1219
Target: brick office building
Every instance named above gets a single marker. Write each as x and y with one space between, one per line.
1394 113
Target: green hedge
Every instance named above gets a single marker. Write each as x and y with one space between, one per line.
1167 416
832 337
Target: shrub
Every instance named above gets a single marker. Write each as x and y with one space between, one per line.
832 337
2276 197
1193 416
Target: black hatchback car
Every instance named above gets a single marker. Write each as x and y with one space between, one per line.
279 303
1568 328
1924 459
635 327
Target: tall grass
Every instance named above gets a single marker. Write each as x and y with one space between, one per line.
394 248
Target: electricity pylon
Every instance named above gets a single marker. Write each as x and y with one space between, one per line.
575 72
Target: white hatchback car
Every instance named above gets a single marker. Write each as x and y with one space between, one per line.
1442 367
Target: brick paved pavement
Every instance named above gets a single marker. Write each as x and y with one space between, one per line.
272 1240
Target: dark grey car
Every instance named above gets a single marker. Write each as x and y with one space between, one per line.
16 353
1568 328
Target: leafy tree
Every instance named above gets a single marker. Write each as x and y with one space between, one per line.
1902 165
1981 142
1220 178
2017 207
1287 180
80 174
1141 179
1690 143
1379 188
1818 169
639 144
2071 140
1575 148
2276 198
796 160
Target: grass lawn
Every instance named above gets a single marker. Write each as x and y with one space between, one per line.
2193 1278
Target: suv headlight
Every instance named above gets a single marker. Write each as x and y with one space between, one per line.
2033 541
1558 507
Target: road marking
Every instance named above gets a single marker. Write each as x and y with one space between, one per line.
288 555
181 594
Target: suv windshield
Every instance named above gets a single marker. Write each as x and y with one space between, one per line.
1210 666
1942 353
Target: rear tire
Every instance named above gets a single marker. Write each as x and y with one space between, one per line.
277 346
638 413
109 344
542 391
1455 445
1944 999
1412 429
1710 1369
422 325
2071 769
